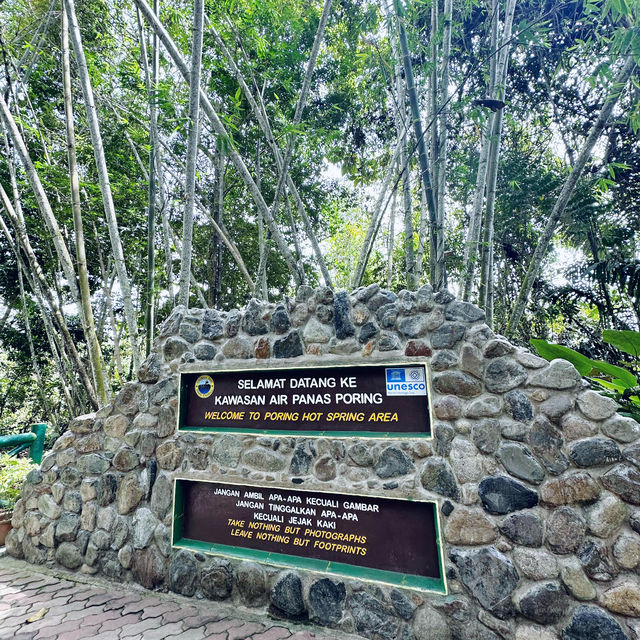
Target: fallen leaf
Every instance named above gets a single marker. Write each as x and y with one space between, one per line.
38 616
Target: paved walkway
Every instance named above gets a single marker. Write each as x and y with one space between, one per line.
87 607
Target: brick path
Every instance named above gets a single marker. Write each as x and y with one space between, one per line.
85 607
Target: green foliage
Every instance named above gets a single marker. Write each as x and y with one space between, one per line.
564 56
13 471
619 383
627 341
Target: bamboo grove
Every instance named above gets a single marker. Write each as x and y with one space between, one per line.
189 152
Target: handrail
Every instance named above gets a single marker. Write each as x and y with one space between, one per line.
34 441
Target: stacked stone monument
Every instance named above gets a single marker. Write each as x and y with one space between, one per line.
537 476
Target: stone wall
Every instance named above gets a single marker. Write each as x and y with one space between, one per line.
535 475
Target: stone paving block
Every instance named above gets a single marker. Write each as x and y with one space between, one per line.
60 629
120 622
70 590
183 613
48 599
83 593
275 633
82 612
121 602
100 618
74 606
82 632
30 598
9 630
25 579
14 612
79 610
6 573
51 603
158 609
141 605
16 596
35 586
223 625
163 631
246 630
51 588
48 622
98 599
107 635
189 634
140 629
200 620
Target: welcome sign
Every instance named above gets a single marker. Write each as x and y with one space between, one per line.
341 400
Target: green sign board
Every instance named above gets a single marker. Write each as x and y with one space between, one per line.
382 539
358 400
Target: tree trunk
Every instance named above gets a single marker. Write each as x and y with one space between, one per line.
438 278
219 229
105 187
486 281
376 217
218 217
93 346
400 116
617 87
151 81
41 197
221 131
22 270
472 244
107 283
263 250
422 233
32 352
257 105
443 124
302 99
409 254
431 134
36 270
192 152
390 241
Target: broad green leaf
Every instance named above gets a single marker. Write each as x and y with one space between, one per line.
611 386
618 373
627 341
551 351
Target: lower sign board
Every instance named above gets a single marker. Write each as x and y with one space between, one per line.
381 539
341 400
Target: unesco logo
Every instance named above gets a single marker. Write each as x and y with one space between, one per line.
405 381
204 386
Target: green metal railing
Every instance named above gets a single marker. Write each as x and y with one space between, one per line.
33 441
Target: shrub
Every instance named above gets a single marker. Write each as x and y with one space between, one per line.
616 382
13 471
